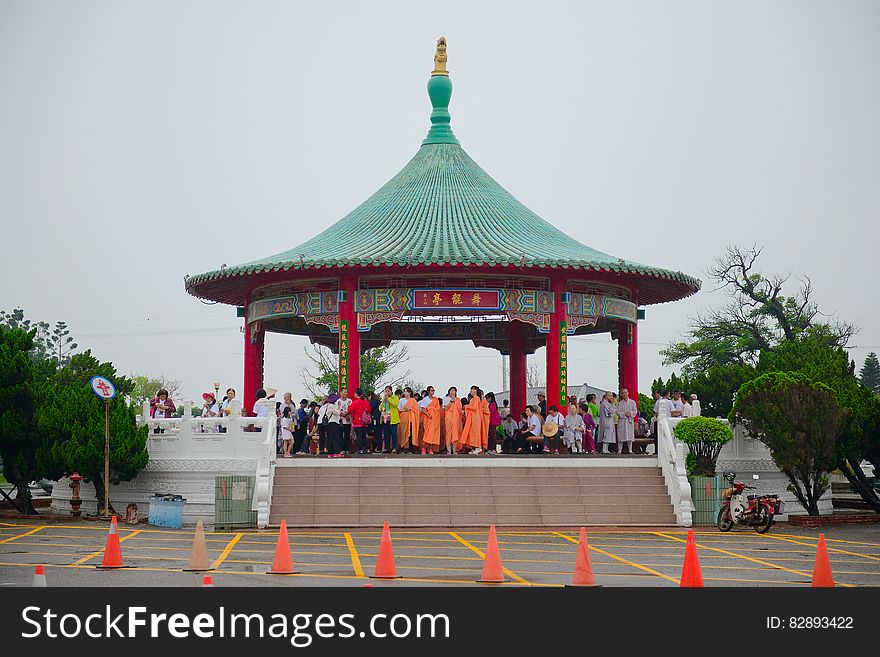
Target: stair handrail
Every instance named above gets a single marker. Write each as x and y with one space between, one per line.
265 474
671 455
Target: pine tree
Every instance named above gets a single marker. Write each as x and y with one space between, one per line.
870 374
20 379
71 419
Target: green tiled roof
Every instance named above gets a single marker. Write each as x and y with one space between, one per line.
454 213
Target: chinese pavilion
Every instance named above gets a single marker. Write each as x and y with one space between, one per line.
473 264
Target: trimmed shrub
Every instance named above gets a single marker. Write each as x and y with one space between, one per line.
704 436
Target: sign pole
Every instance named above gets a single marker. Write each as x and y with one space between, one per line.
105 390
106 511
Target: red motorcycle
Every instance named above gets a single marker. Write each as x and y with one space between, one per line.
752 511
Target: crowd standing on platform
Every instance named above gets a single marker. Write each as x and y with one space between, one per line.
402 420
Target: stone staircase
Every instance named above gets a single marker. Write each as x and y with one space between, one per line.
321 493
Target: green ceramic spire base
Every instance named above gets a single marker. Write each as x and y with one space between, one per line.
440 92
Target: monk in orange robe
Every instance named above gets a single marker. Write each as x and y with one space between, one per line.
452 420
484 421
403 429
473 422
411 416
434 414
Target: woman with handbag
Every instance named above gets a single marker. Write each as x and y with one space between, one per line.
361 418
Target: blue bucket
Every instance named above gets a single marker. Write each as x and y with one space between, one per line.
166 511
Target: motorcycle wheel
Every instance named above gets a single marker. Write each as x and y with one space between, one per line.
763 522
725 523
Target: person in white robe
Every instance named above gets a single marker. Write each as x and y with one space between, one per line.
627 411
574 430
607 434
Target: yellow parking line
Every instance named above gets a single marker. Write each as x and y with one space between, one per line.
741 556
302 575
12 538
674 580
226 551
830 549
482 555
355 558
101 551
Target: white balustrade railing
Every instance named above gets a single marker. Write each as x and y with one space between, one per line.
671 455
229 438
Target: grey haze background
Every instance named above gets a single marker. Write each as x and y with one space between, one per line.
143 141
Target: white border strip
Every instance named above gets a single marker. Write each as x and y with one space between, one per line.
468 462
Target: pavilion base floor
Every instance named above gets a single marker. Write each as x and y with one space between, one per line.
470 491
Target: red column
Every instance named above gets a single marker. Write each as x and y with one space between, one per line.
628 358
254 343
557 347
518 368
349 338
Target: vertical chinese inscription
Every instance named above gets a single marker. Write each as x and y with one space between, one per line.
343 354
563 363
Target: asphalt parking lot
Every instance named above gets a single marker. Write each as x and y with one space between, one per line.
620 557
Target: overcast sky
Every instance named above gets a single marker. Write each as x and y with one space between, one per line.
142 141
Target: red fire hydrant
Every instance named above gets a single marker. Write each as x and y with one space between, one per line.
75 499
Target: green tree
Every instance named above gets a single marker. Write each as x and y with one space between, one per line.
71 418
322 375
646 407
144 388
717 386
21 377
816 356
757 318
800 421
870 374
48 343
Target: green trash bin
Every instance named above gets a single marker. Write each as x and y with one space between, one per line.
232 502
706 494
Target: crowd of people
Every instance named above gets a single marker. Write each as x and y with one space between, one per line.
421 422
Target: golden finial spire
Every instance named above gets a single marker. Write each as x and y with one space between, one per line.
440 58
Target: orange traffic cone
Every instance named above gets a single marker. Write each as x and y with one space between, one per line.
198 559
283 563
583 567
493 573
112 551
691 575
207 581
822 576
385 567
40 576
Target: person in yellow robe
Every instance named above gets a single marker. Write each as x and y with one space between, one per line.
433 414
473 423
452 417
484 420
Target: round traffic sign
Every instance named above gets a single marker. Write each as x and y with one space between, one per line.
103 387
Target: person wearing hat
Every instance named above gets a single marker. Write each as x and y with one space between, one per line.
210 408
553 429
542 404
